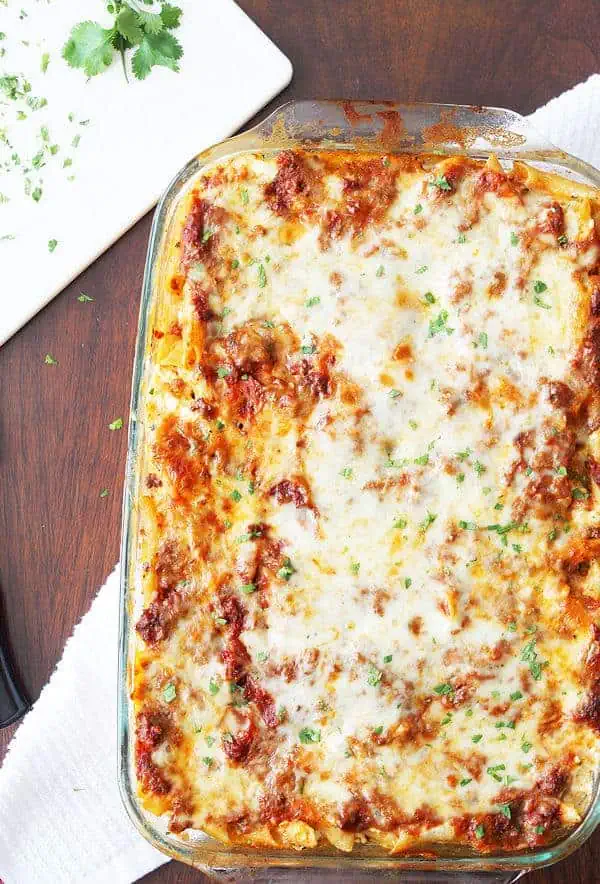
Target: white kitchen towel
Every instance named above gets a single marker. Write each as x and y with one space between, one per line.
61 819
82 159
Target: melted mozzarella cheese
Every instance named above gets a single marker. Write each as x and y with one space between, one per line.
413 576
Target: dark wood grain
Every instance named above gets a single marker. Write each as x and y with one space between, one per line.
60 538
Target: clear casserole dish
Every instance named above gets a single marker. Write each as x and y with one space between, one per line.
384 127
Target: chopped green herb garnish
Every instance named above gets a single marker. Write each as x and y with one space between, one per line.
526 746
310 735
208 761
516 695
245 197
312 302
467 526
444 688
355 567
223 372
50 360
422 269
539 286
248 588
466 781
169 693
539 303
379 271
104 492
400 523
480 831
476 738
286 570
347 473
373 676
562 240
387 658
439 325
461 239
235 495
429 297
514 239
116 424
422 461
427 522
418 209
84 298
505 810
408 582
493 771
539 830
378 730
262 276
441 183
395 394
214 686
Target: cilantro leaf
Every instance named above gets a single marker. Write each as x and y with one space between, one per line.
128 26
156 49
89 47
170 16
151 22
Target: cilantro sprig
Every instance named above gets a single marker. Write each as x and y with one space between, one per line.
145 28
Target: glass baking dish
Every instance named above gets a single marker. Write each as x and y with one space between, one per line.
388 127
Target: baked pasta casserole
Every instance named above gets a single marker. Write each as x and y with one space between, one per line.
367 589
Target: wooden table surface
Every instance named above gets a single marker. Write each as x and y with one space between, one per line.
61 538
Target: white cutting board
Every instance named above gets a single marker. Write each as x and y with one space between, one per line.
137 137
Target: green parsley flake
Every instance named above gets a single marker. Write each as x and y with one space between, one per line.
379 272
461 239
214 686
355 568
429 297
235 495
418 209
395 394
50 360
287 570
245 197
373 676
476 738
248 588
439 325
441 183
347 473
312 302
444 688
516 695
539 286
422 269
310 735
505 810
427 522
466 781
387 658
480 831
84 299
116 424
169 693
104 492
262 276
